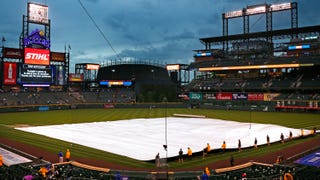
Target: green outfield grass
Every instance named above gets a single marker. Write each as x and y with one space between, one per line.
10 120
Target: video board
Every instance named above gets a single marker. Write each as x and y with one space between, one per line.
35 74
38 13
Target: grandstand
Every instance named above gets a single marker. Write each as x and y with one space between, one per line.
282 64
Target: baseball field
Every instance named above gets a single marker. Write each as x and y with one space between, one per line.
48 148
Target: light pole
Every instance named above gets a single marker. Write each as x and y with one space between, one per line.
166 134
251 108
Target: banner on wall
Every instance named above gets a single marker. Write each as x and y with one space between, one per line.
9 73
239 96
195 96
255 96
270 96
224 96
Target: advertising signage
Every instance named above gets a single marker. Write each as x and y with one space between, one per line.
9 73
56 56
35 74
239 96
37 39
195 96
76 77
36 56
224 96
255 96
38 13
12 53
92 66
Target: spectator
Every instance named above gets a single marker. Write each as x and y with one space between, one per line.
43 171
244 176
68 154
207 171
204 176
180 156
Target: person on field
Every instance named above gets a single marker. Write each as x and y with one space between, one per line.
1 161
224 146
68 154
157 160
290 135
189 153
255 144
60 157
206 150
239 145
268 140
282 138
180 156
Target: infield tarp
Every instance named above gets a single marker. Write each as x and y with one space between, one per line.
10 158
142 139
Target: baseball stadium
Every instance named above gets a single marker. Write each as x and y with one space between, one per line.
247 107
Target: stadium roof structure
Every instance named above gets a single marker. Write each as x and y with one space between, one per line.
275 34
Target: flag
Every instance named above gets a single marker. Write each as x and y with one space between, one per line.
69 47
3 39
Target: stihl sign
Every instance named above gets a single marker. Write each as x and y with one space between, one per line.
36 56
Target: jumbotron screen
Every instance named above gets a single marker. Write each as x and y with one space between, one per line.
35 74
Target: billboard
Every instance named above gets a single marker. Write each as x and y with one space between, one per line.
210 96
9 73
255 97
92 66
195 96
116 83
36 56
224 96
12 53
58 74
56 56
76 77
171 67
35 74
239 96
38 13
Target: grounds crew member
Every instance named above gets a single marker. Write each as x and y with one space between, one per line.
1 161
206 150
68 155
189 153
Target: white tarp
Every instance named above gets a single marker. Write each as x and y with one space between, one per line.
142 139
10 158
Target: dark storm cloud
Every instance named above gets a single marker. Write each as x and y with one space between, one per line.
166 30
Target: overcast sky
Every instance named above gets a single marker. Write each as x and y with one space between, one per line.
165 31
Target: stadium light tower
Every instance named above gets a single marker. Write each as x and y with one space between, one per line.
165 146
